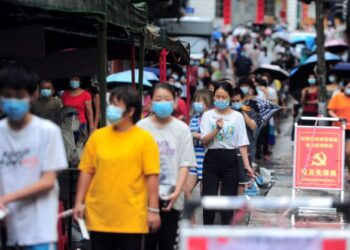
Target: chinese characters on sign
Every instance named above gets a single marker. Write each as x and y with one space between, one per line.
318 158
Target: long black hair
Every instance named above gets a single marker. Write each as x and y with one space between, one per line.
247 80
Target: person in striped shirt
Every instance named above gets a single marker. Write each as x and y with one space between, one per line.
202 102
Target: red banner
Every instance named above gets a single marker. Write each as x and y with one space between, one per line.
162 66
318 161
283 12
258 242
305 12
227 11
260 11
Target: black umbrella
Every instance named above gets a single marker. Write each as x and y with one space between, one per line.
296 93
275 71
298 77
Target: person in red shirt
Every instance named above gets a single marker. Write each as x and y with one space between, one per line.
309 100
80 100
338 107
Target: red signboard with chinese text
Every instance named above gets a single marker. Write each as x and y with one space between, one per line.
318 158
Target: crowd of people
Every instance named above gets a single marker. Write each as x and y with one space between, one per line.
136 173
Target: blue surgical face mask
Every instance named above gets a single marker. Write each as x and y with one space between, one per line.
245 90
198 107
114 114
222 104
74 84
237 105
347 91
15 109
46 92
163 109
311 81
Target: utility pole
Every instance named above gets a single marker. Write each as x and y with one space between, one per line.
141 62
102 62
321 64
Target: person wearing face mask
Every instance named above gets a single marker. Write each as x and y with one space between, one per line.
250 116
177 155
180 111
94 91
332 86
338 107
246 84
309 100
31 154
262 141
242 65
340 88
202 102
262 89
223 133
271 90
47 106
248 88
80 100
118 181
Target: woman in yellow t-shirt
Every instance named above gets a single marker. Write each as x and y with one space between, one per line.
119 178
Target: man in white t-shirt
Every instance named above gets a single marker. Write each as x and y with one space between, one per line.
31 152
176 150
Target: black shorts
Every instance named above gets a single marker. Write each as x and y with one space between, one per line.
111 241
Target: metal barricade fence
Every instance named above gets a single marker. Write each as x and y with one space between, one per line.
195 237
319 159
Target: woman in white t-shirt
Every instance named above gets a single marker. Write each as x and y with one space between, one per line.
223 131
176 150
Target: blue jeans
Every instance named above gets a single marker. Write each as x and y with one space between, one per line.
46 246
